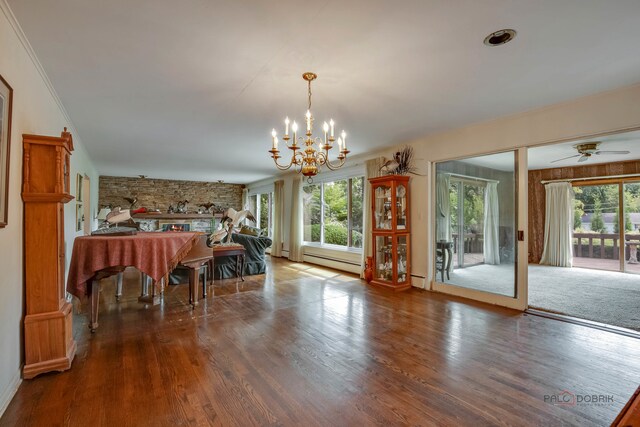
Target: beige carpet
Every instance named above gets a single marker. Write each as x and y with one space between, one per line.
602 296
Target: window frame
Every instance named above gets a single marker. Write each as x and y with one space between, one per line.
350 223
257 214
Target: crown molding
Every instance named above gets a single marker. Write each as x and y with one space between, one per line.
8 13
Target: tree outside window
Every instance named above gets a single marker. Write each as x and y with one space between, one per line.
332 212
261 206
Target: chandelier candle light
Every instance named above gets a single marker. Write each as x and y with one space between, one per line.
307 159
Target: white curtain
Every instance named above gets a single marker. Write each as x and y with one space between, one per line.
558 233
277 217
491 245
372 170
443 210
245 198
296 250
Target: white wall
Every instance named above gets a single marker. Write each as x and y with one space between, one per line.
607 112
36 109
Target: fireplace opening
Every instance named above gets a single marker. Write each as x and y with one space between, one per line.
176 227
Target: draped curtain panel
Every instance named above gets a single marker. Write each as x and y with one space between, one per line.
372 170
278 218
443 210
491 245
558 226
296 250
245 199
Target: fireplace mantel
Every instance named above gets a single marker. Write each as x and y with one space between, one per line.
175 216
205 223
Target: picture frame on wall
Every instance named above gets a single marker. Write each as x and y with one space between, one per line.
79 188
6 103
79 217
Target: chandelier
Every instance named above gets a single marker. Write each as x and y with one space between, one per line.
305 156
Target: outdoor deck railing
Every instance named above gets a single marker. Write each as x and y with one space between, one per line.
472 243
603 245
585 245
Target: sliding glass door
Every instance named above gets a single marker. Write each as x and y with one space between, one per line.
606 226
476 228
596 237
467 220
631 221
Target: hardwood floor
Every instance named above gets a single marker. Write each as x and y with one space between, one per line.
304 345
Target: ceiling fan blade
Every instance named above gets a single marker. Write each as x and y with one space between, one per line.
565 158
583 159
612 152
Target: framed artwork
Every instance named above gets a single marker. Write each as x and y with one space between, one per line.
79 188
6 100
79 217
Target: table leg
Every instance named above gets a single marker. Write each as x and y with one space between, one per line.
119 286
242 267
194 279
449 259
144 285
204 280
95 300
144 293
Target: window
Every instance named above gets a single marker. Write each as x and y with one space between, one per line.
332 212
261 205
312 212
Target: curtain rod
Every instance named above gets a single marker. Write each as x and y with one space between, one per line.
591 178
474 178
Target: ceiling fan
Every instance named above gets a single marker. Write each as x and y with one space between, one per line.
587 150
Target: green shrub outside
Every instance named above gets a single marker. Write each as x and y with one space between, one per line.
334 234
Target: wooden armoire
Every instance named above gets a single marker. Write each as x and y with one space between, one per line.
48 338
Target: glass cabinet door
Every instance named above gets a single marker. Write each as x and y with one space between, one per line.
382 207
402 258
401 207
384 258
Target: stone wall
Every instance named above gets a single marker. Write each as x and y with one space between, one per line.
160 193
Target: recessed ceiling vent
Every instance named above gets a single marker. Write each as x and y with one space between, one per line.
498 38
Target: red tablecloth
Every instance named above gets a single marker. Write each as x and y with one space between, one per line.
155 254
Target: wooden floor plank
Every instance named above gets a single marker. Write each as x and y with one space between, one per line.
303 345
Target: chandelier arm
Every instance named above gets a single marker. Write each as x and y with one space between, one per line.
321 158
282 167
337 165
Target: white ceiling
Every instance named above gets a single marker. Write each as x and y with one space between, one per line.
191 89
